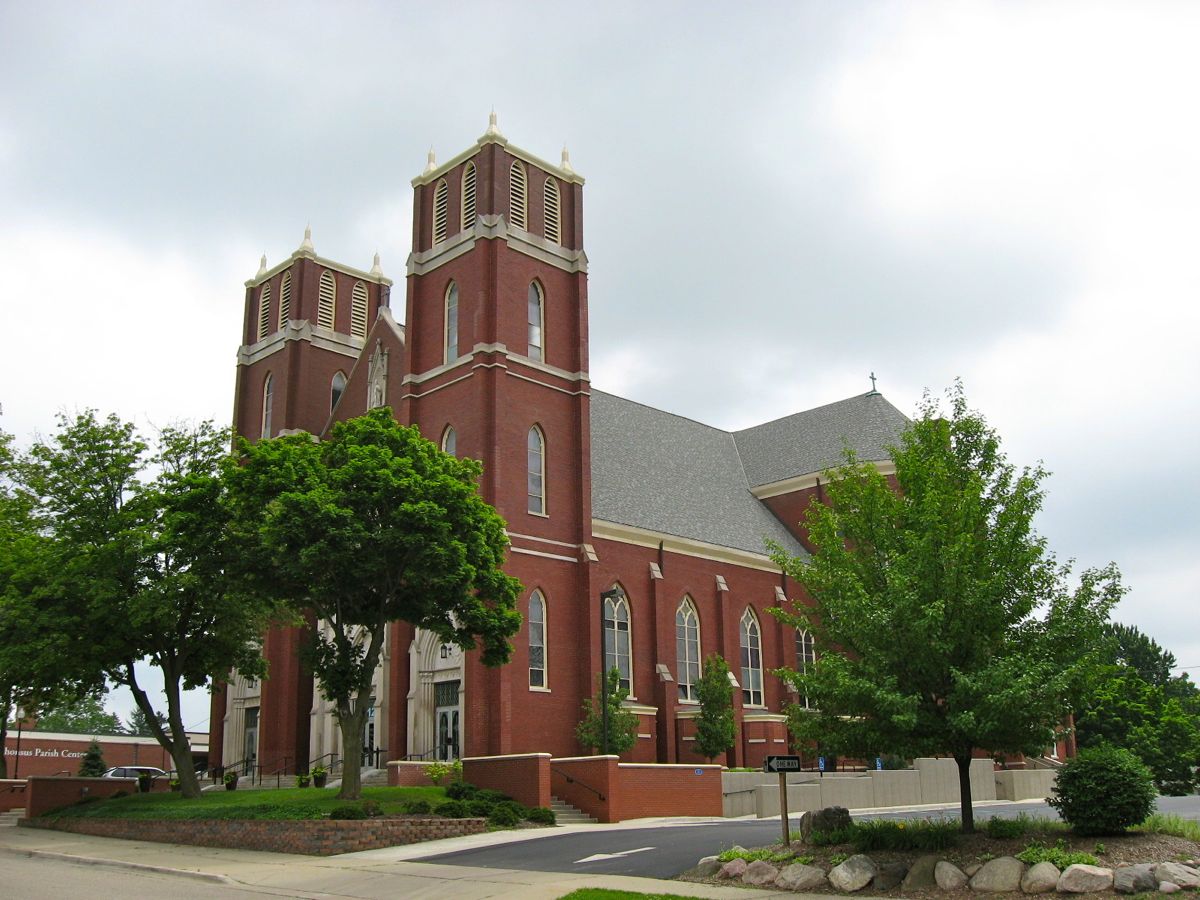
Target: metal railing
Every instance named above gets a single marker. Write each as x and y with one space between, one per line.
571 779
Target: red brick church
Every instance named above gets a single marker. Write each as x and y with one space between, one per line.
599 492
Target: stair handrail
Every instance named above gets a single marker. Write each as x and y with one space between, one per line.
571 779
334 762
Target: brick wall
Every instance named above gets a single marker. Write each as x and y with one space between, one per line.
312 838
525 777
402 773
45 794
12 794
587 783
655 790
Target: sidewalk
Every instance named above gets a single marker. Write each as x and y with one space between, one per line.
371 875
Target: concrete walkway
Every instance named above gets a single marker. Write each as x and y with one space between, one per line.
372 874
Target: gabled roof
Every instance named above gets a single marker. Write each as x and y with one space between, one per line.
655 470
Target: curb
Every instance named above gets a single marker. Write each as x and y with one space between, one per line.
121 864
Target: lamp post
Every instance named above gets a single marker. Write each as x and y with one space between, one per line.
17 758
614 594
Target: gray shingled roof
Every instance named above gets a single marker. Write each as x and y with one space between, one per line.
656 470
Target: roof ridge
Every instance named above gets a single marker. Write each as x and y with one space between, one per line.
665 412
813 409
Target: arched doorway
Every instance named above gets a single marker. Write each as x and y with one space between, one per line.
435 699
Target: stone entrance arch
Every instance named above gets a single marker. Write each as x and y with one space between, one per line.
436 698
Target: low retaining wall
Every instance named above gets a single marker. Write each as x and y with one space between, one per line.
525 777
1025 784
326 837
46 793
587 783
613 791
12 794
402 773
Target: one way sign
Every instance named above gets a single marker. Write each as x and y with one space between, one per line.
781 764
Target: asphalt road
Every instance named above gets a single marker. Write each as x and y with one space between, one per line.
667 850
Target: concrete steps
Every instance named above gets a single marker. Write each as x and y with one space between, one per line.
565 814
9 819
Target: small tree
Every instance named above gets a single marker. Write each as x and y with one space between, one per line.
715 726
92 765
622 723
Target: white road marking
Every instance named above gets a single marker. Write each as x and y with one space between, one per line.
595 857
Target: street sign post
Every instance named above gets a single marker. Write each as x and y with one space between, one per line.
783 765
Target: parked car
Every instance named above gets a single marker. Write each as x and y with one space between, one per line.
132 772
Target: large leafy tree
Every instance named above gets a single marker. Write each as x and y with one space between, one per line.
142 556
947 624
373 526
86 716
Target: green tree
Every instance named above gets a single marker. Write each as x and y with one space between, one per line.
84 716
947 625
138 724
142 550
372 526
715 727
92 765
622 723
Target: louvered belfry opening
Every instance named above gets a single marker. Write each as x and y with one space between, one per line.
358 310
285 300
264 312
517 197
553 231
326 299
441 211
468 197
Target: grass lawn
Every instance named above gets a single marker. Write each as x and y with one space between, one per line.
284 803
606 894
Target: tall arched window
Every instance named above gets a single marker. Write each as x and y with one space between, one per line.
537 640
536 459
326 300
451 323
441 210
468 197
285 300
687 648
336 388
264 311
806 658
537 320
358 310
617 645
553 232
752 675
268 402
517 196
449 441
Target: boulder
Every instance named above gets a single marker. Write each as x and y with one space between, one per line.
949 877
920 874
760 872
1083 879
854 874
971 868
708 867
1134 879
999 875
828 819
888 875
1184 876
1041 878
735 868
1168 887
799 877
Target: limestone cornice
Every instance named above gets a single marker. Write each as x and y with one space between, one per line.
301 330
439 171
320 261
496 227
643 537
810 480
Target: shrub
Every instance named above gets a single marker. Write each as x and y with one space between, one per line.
417 807
912 834
437 772
479 807
490 796
1059 855
504 816
542 815
372 808
1005 828
514 806
451 809
1103 791
833 836
348 811
461 790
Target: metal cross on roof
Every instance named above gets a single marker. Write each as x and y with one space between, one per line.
872 382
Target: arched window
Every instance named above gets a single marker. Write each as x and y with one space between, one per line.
358 310
687 648
553 232
468 197
336 388
806 658
441 210
451 323
617 647
264 311
537 640
537 313
517 197
326 300
537 471
285 300
752 675
268 402
449 441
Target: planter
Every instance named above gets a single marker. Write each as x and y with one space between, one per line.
144 785
302 782
231 785
319 780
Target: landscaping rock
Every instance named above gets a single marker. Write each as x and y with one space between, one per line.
735 868
920 875
1041 878
949 877
854 874
1134 879
828 819
971 868
1184 876
1083 879
999 875
708 867
760 872
889 875
799 877
1168 887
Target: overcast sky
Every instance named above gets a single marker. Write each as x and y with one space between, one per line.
780 200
